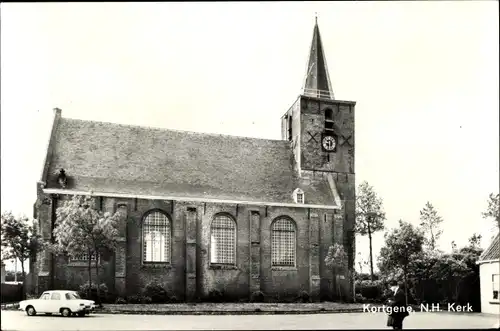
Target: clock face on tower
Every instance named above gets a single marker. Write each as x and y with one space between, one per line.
329 143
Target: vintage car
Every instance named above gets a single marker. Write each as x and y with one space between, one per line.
66 303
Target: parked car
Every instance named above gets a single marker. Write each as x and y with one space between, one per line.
66 303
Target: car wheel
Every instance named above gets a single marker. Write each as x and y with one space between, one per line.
66 312
30 311
81 314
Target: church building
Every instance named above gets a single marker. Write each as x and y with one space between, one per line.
207 212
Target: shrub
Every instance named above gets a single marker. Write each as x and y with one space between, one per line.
146 300
12 293
216 296
359 298
303 297
134 299
326 297
272 299
370 290
120 301
156 292
31 296
365 276
103 292
257 296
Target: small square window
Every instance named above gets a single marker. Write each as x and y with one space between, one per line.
300 198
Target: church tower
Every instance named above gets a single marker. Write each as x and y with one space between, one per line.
320 129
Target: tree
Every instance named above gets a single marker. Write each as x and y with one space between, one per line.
493 210
82 229
20 239
402 246
370 215
450 272
452 277
336 259
430 222
475 240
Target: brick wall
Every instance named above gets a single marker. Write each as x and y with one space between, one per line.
316 231
314 160
312 126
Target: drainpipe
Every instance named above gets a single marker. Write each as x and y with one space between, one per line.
52 255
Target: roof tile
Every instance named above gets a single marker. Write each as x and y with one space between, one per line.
114 158
493 251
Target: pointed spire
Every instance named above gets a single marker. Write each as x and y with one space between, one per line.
317 81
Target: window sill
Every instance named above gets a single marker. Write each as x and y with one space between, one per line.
82 264
156 265
495 302
277 268
223 267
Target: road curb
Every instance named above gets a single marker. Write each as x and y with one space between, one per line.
226 312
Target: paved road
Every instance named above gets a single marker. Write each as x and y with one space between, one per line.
16 320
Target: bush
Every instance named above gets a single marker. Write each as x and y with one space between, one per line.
12 293
146 300
120 301
156 292
365 276
257 296
370 290
326 297
303 297
216 296
359 298
102 296
134 299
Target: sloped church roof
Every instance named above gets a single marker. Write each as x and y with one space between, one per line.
113 159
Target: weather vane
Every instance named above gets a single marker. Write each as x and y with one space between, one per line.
316 16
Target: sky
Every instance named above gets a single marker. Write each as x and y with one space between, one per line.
424 76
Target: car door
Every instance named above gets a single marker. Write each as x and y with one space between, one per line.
42 304
55 302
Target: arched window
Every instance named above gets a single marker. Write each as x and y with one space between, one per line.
156 238
328 120
223 240
298 195
328 114
283 241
